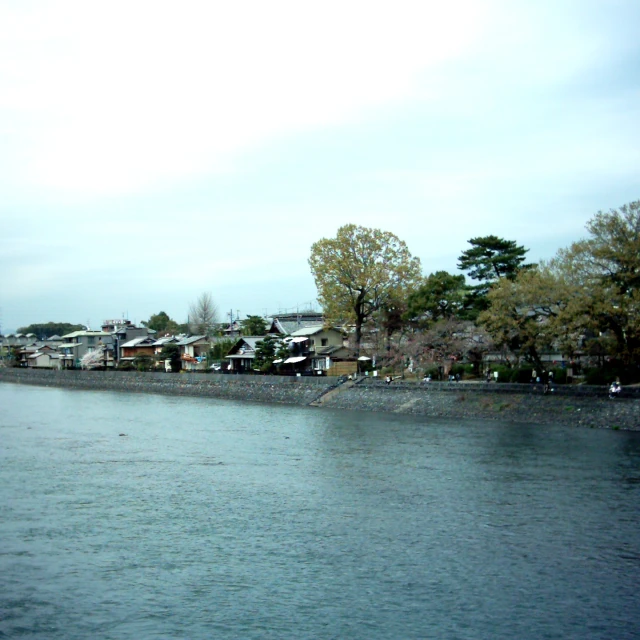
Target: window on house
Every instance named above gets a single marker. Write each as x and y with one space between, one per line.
325 342
90 339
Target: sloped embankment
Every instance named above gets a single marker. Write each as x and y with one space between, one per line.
275 389
574 406
585 407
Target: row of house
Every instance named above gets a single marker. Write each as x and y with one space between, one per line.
315 350
311 348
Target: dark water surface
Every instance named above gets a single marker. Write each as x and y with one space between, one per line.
214 519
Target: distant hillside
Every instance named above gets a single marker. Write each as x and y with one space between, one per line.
48 329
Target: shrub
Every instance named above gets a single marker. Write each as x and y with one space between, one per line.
470 369
457 370
523 373
559 375
432 371
504 372
610 372
171 352
143 363
463 370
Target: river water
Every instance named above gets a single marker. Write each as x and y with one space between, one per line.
215 519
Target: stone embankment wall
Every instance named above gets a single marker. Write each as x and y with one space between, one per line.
276 389
586 406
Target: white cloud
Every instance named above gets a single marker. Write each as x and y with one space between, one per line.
125 95
150 151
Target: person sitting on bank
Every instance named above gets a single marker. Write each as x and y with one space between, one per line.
388 379
615 389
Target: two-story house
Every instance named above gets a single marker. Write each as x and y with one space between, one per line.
141 346
193 351
321 346
242 354
76 344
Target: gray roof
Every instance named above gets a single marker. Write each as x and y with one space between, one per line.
166 340
249 341
190 340
84 332
307 331
252 341
287 327
136 341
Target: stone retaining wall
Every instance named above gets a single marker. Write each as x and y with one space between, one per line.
587 407
277 389
569 405
572 390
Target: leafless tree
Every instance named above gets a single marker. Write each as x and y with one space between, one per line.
203 315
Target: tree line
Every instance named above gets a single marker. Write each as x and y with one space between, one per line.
585 300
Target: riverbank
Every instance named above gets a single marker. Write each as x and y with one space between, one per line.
569 405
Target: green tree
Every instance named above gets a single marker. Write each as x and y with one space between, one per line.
162 323
203 316
441 296
265 354
14 357
253 326
48 329
489 260
530 313
143 362
219 350
171 352
282 350
606 268
360 271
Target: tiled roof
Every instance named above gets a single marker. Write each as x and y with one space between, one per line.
166 340
137 341
307 331
85 332
190 340
287 327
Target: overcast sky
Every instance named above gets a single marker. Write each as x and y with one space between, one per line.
151 151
